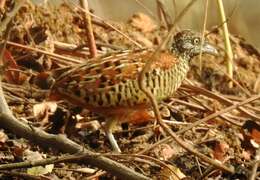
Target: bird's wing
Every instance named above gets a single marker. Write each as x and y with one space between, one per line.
100 75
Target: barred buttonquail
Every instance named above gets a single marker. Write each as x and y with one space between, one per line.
109 85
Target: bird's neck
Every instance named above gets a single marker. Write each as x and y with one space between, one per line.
184 55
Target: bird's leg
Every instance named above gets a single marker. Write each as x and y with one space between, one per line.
110 123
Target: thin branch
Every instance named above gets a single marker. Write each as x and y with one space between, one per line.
219 98
89 30
85 158
145 8
20 175
216 114
58 57
203 32
163 15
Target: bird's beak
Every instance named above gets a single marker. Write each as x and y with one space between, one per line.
209 49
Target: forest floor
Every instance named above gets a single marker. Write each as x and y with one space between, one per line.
229 135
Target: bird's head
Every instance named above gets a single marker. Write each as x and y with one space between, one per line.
187 44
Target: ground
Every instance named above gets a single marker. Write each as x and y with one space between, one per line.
231 137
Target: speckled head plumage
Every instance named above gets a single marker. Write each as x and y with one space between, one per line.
187 44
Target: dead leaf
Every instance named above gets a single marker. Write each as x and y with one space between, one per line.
86 170
43 110
164 152
171 172
11 76
142 39
246 155
220 150
32 155
40 170
3 137
143 22
37 170
91 125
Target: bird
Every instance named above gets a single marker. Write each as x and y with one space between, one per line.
109 85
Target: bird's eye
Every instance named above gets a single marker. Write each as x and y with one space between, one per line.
196 41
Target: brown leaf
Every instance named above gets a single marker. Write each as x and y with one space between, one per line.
3 137
143 22
246 155
220 150
164 152
43 110
10 75
171 172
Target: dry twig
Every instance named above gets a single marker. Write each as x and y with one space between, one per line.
89 30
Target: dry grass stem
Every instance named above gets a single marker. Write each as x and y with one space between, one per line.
229 52
203 31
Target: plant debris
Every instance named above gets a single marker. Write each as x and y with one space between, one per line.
231 137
